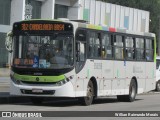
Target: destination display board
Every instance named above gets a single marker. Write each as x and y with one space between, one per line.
41 26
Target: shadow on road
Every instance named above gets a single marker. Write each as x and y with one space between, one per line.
71 102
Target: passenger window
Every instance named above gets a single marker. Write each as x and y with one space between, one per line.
130 51
106 46
94 45
118 47
149 50
140 48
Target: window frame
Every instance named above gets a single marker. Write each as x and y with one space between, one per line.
134 48
141 37
123 41
112 46
112 36
150 38
88 44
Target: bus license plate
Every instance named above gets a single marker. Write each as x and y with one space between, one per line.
37 90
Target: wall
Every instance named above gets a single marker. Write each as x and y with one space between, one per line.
101 13
73 10
47 11
17 10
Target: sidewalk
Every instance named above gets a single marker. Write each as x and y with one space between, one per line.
4 84
4 72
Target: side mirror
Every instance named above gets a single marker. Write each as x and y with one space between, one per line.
8 41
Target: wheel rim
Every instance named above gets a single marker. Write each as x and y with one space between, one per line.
132 91
158 85
89 92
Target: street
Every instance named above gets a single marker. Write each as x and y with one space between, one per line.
145 102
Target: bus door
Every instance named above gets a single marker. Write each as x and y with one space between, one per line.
81 67
94 58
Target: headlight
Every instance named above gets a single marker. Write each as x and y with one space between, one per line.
64 81
18 82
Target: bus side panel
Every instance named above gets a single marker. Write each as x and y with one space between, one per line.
107 75
92 68
95 70
118 83
81 78
139 70
129 74
150 76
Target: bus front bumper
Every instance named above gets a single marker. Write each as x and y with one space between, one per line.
66 90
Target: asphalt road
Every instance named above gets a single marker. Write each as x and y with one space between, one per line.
146 102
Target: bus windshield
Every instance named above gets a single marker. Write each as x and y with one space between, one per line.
43 52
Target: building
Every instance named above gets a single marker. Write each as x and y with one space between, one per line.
95 12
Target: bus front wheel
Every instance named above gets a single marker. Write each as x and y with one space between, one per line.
87 100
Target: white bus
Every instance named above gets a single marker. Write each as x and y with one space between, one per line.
52 58
158 73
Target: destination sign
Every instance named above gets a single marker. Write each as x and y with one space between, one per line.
38 26
56 27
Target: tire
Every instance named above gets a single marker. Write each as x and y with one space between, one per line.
36 100
90 95
132 93
158 86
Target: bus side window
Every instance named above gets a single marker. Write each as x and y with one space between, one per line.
97 49
91 45
140 49
119 47
106 46
149 49
130 52
94 45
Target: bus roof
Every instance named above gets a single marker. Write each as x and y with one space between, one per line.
97 27
111 29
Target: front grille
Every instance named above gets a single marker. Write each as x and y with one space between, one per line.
45 92
39 83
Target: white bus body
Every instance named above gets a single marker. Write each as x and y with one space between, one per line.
121 76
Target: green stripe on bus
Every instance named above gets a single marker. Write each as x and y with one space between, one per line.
88 73
39 78
153 73
117 73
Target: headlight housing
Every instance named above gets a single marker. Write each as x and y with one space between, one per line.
18 82
64 81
